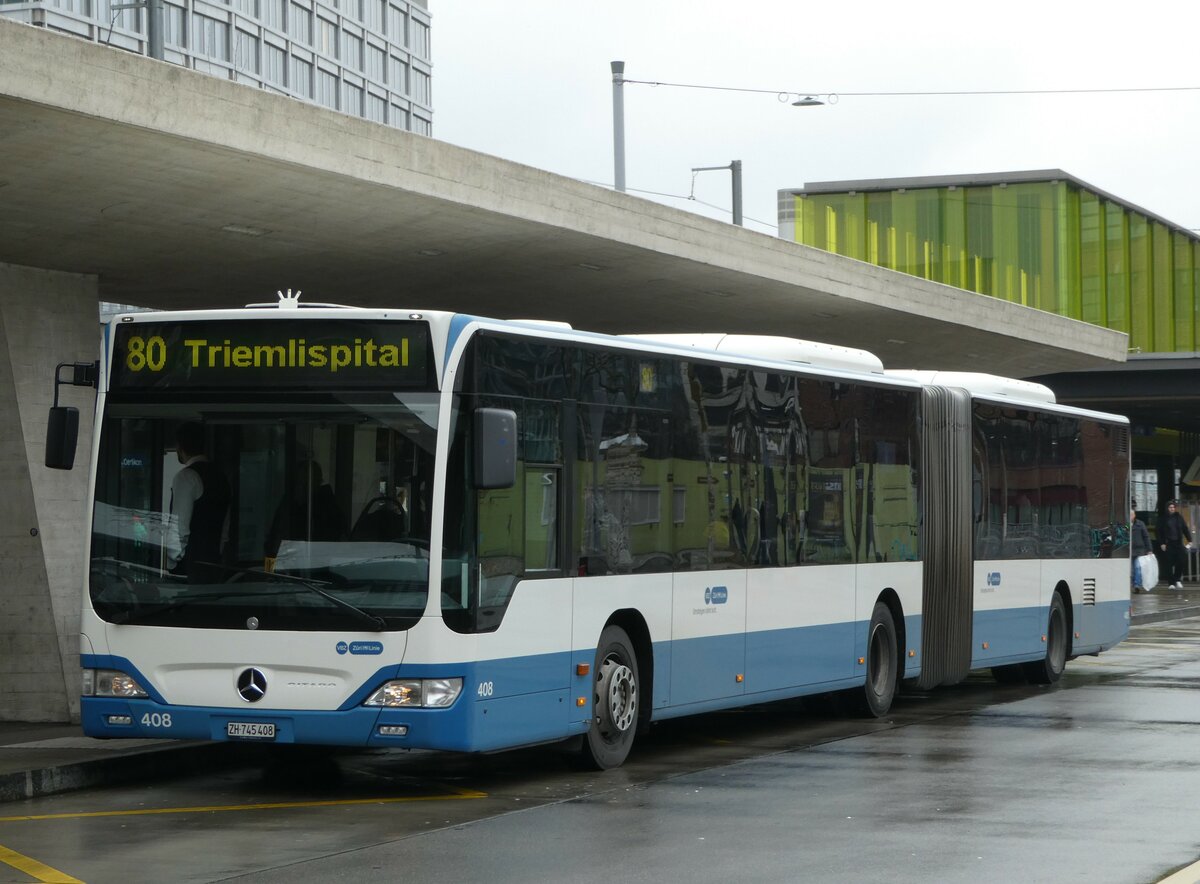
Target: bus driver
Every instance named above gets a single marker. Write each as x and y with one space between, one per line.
200 509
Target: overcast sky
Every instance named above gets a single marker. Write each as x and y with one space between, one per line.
530 81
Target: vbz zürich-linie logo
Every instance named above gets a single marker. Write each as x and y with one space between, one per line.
715 595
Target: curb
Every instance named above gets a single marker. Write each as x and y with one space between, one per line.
128 768
1163 616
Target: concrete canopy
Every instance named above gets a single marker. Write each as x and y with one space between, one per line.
1152 390
176 189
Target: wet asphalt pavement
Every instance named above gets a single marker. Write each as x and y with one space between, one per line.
1094 780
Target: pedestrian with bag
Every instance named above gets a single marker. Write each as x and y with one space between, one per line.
1139 548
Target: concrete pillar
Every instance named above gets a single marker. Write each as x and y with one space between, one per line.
45 318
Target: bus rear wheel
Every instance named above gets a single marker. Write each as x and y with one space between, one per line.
1050 668
883 668
615 701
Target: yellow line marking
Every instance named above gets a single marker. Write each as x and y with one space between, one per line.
1190 875
35 869
459 795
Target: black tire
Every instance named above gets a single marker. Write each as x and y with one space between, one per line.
883 667
1014 673
1050 668
616 702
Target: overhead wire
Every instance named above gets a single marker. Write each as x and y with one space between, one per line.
834 96
679 196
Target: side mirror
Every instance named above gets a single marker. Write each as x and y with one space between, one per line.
62 436
62 429
495 448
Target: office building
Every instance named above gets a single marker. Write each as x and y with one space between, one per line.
368 58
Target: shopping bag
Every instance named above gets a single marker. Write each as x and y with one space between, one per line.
1149 565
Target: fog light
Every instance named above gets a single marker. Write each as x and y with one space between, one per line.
393 730
120 720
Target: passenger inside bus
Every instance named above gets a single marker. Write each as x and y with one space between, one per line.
308 510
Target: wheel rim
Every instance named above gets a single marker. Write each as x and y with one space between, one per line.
616 698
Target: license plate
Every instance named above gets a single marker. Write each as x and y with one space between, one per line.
249 730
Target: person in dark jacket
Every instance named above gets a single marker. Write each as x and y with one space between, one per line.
1173 538
1139 545
200 499
308 511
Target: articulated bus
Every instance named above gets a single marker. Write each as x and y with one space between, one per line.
458 533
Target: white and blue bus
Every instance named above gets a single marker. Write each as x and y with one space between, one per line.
459 533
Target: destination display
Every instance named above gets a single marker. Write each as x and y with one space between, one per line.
262 353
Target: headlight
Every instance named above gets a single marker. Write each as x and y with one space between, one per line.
442 691
439 692
110 683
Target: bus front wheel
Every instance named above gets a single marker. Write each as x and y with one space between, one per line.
1050 668
614 701
882 663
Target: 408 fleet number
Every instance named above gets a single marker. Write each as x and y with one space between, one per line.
156 719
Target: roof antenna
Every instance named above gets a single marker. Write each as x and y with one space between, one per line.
289 301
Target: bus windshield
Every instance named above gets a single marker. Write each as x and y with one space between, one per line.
298 512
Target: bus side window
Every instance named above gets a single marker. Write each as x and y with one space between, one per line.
542 488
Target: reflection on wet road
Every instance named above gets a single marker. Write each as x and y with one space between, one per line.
1092 780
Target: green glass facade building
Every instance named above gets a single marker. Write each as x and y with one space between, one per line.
1047 240
1043 239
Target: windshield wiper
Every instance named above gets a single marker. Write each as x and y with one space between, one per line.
127 615
376 622
373 620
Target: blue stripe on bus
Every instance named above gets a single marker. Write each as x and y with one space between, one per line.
458 323
525 700
1100 626
1014 635
503 703
912 649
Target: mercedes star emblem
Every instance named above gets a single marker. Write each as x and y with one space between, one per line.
252 685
